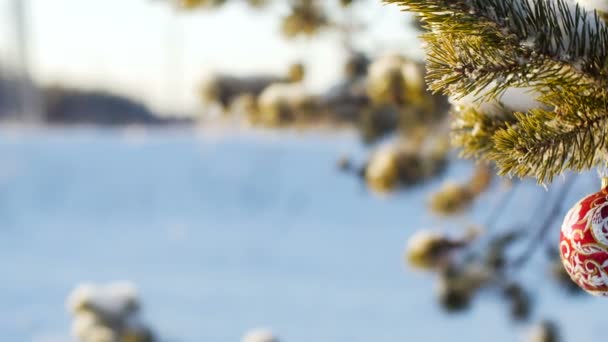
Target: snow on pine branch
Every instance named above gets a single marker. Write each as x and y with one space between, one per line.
600 5
544 59
561 27
509 42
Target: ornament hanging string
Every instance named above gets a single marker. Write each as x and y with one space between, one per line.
602 170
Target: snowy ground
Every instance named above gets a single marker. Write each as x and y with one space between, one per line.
224 233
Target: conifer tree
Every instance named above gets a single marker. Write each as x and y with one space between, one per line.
483 52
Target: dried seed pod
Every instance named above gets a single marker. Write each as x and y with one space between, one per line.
519 301
260 335
545 331
451 199
430 250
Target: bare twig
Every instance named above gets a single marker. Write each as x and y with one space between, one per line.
498 208
544 226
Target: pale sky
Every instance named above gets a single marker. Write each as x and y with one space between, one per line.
145 50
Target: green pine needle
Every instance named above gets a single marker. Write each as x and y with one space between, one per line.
481 48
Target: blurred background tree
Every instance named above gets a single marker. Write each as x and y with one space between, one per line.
384 97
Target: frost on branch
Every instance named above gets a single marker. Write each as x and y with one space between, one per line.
107 313
552 52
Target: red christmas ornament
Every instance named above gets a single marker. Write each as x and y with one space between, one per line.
584 243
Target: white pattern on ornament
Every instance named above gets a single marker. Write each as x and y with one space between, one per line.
599 225
572 217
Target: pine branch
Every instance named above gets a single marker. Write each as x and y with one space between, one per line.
474 42
473 131
560 51
543 144
540 143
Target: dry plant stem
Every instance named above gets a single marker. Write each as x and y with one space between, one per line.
494 216
498 208
544 226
